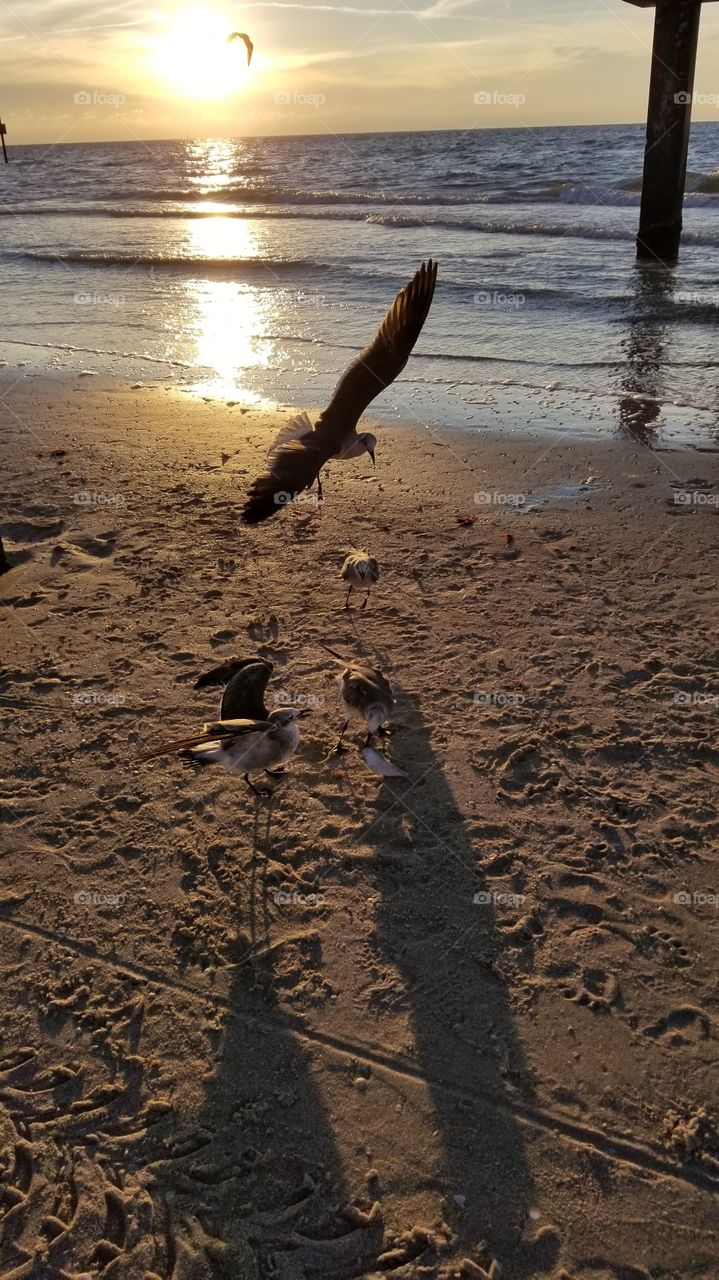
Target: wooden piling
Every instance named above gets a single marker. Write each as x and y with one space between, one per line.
3 131
674 56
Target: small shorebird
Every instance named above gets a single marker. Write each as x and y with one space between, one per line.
301 450
245 681
241 746
366 695
242 35
360 570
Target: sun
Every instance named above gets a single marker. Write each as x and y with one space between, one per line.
193 54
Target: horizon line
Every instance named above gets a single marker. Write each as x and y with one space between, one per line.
345 133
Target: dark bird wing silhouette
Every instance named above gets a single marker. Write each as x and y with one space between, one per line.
245 681
244 696
384 359
224 673
295 464
241 35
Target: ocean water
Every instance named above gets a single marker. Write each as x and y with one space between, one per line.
253 269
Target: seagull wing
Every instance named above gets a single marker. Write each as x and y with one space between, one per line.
355 689
384 359
244 695
373 678
360 685
223 730
295 429
241 35
224 673
294 467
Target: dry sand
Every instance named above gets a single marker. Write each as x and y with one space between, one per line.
200 1079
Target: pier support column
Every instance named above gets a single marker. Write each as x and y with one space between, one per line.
674 56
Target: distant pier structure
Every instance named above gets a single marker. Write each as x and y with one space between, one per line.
674 58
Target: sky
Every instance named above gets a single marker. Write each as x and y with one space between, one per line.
95 70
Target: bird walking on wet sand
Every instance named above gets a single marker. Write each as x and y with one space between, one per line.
241 746
245 683
365 694
301 449
360 570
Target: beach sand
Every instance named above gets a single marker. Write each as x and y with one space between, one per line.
200 1078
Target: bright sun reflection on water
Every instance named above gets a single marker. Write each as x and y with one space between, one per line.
228 319
213 162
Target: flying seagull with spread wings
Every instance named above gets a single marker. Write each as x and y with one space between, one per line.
301 449
241 35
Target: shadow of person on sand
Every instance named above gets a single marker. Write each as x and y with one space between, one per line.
438 925
271 1196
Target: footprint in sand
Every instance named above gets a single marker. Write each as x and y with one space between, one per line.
20 538
261 630
29 531
523 775
85 551
672 946
684 1025
597 990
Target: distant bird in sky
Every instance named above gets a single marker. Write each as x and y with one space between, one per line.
240 746
240 35
365 694
245 681
301 449
360 570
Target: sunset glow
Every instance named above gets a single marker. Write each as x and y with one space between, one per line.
118 70
193 55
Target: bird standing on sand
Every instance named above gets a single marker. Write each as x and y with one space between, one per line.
241 35
241 746
245 681
301 449
362 571
365 694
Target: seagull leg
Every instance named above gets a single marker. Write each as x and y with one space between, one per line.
347 597
256 790
338 748
364 602
320 491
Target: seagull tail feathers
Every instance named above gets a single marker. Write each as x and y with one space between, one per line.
180 744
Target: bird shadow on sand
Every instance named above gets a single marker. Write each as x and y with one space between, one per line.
447 949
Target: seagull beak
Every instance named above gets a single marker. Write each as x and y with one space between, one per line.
304 711
371 454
